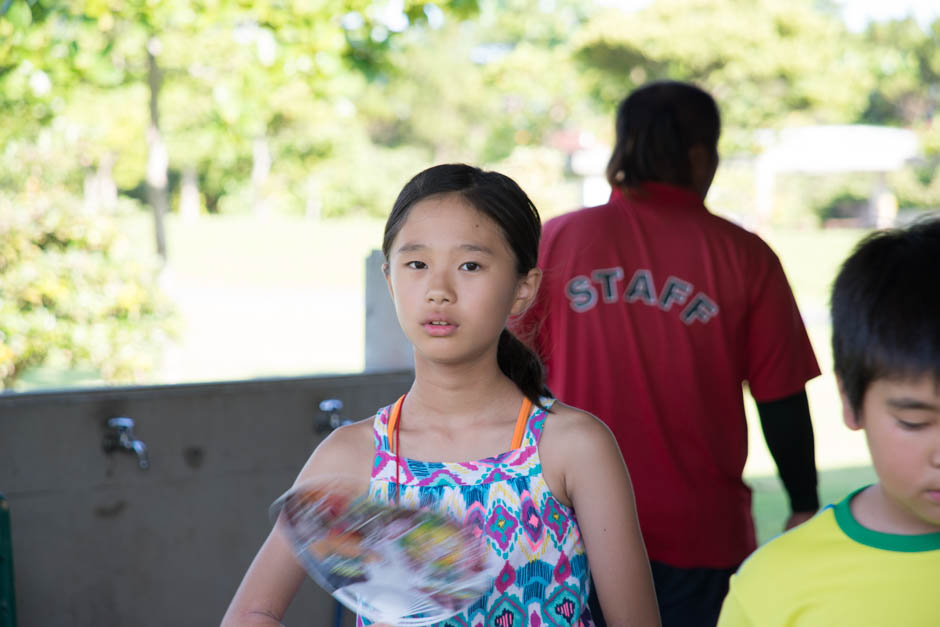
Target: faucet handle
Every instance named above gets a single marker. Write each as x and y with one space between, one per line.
121 424
119 435
330 417
331 405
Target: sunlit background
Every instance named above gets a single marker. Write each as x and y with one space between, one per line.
189 190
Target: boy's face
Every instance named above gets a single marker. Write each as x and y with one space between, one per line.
901 419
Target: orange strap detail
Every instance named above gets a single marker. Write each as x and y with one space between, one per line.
520 423
517 434
392 421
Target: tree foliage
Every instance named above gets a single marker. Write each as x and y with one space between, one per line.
326 107
905 62
73 293
76 98
768 62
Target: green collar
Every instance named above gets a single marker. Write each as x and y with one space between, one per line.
876 539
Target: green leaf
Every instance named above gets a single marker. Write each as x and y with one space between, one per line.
18 13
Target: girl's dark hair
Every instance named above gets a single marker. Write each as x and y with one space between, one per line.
498 197
886 309
656 125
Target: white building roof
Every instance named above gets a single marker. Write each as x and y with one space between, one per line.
837 148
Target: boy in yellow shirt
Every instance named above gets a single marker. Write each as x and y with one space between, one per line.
873 558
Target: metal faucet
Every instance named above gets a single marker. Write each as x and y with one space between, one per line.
330 417
119 436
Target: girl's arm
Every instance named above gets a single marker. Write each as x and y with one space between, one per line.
274 576
602 496
269 585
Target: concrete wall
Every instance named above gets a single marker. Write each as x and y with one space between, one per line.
99 541
387 348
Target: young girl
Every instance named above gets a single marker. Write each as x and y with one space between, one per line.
478 435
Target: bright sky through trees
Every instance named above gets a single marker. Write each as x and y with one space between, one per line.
857 13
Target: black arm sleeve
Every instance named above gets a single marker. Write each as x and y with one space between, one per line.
788 432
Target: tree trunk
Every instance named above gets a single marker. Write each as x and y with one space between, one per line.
158 159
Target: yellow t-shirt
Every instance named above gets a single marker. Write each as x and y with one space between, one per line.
831 571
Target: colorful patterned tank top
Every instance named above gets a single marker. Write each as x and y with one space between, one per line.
544 579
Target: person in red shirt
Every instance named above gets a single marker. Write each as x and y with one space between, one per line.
652 314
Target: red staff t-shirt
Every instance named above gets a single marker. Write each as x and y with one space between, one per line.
651 315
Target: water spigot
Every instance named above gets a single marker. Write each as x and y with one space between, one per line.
330 417
119 436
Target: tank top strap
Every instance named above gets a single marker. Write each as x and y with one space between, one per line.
535 422
382 426
528 425
521 420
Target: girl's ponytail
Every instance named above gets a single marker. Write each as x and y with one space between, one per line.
523 366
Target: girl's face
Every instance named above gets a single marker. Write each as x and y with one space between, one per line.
454 281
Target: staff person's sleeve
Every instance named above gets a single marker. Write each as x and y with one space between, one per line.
788 431
780 358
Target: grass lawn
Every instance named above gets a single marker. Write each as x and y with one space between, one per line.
811 259
770 502
244 251
276 297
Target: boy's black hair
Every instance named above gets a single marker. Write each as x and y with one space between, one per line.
656 126
886 309
502 200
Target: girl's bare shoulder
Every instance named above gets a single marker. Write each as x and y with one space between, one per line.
347 450
571 436
567 425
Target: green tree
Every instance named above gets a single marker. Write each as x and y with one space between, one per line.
905 62
477 90
229 86
90 90
768 62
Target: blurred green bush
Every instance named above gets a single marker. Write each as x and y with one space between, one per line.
73 291
917 186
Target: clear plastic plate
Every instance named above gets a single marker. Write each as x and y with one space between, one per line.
389 564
